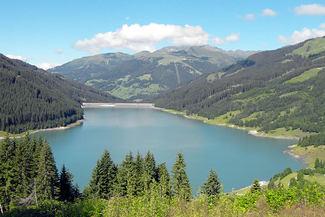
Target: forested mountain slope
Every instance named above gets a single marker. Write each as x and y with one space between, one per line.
145 74
283 88
31 98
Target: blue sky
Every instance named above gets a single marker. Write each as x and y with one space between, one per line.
54 32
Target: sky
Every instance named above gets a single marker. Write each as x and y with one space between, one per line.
49 33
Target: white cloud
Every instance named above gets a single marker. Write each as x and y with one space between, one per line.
233 37
144 37
16 57
230 38
47 66
322 25
59 51
217 40
299 36
250 17
268 12
312 9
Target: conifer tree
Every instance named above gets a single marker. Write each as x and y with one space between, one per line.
139 174
149 169
104 177
180 182
126 177
212 186
47 176
164 180
66 188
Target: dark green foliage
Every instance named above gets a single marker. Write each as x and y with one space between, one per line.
180 182
164 179
103 177
31 98
314 140
277 177
256 187
28 174
259 86
67 191
149 170
47 175
127 177
212 186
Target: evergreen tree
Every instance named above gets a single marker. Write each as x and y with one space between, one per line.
66 188
164 180
126 177
139 174
47 176
212 186
256 187
104 177
149 170
180 182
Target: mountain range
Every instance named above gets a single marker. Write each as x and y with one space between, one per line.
144 74
273 91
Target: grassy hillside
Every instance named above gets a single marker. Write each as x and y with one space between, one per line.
32 98
272 91
143 75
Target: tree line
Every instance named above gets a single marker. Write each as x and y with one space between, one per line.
29 176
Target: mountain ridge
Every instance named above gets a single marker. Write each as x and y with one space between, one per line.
144 74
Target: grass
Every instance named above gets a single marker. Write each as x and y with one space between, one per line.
305 76
311 153
145 77
286 180
319 178
126 92
311 47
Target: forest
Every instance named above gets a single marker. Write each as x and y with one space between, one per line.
30 185
32 98
282 88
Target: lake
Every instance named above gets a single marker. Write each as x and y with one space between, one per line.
237 156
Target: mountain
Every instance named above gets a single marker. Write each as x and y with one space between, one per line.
145 74
31 98
271 91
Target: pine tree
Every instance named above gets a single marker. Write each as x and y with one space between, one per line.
180 182
47 176
126 177
164 180
66 188
212 186
104 177
149 170
139 175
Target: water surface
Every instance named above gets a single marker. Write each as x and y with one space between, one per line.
237 157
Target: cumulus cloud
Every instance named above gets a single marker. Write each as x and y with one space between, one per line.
16 57
268 12
230 38
47 66
304 34
59 51
312 9
233 37
144 37
249 17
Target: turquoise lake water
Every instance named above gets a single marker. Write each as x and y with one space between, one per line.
237 156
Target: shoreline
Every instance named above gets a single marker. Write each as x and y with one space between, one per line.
250 131
17 136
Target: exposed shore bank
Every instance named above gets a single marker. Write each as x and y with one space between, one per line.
290 152
250 130
117 105
17 136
